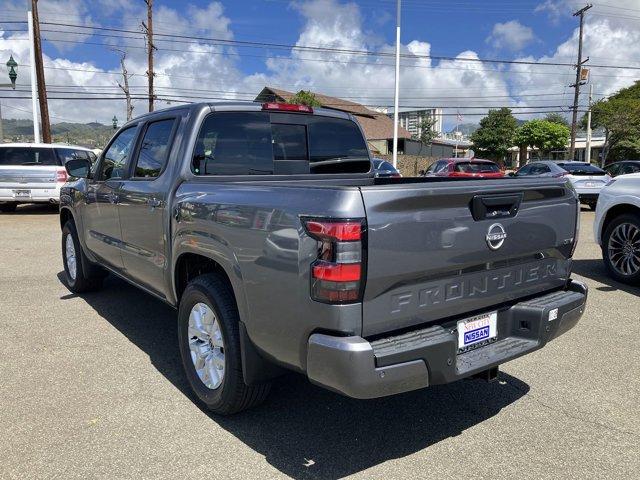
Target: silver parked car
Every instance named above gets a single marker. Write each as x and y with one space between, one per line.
586 178
34 172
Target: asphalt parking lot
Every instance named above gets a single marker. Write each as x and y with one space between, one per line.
91 387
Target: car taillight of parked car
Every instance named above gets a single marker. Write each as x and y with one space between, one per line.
61 175
337 275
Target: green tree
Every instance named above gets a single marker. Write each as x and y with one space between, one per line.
305 97
619 116
557 118
494 137
427 134
542 135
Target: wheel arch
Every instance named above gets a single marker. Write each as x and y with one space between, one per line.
65 216
615 211
190 265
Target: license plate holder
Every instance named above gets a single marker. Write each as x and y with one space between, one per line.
590 184
477 331
22 193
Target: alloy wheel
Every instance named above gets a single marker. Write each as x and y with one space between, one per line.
624 249
206 345
70 254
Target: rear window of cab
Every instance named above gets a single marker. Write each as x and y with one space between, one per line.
254 143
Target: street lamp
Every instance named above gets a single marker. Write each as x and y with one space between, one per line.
13 75
114 122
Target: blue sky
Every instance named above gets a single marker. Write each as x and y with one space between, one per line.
532 30
450 27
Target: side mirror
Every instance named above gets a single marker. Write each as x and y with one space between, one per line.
78 167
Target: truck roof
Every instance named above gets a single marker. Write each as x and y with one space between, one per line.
240 106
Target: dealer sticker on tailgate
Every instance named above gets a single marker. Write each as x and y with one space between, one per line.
476 331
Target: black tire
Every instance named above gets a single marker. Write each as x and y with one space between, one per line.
81 282
8 207
628 218
233 395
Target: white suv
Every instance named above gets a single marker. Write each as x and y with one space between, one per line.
617 227
34 172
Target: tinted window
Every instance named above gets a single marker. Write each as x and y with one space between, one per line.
581 168
539 169
289 142
441 166
526 170
115 158
30 156
469 167
234 143
154 149
386 166
67 154
338 144
629 168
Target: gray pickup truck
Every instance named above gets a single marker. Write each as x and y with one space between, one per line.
265 227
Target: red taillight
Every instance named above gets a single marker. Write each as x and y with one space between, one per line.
61 175
287 107
341 231
337 274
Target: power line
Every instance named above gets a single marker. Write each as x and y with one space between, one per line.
224 42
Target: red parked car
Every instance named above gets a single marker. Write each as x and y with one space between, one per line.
464 167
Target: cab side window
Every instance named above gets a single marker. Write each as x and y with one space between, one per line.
154 150
114 162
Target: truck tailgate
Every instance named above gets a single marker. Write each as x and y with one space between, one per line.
437 250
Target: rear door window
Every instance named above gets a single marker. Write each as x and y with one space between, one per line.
154 150
27 156
234 143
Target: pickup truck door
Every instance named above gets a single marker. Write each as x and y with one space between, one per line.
143 204
100 217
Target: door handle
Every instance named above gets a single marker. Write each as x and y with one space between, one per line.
112 197
154 202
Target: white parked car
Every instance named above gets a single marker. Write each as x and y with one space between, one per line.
586 178
617 227
34 172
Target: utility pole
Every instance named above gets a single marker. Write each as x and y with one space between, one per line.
587 152
124 86
32 70
396 99
42 89
576 96
148 27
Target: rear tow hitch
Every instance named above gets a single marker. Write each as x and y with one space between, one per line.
490 375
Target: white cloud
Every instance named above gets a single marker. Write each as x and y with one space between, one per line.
511 35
